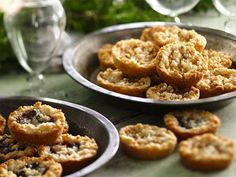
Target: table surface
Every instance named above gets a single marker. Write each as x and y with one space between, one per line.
61 86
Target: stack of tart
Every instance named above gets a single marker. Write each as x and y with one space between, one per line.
166 63
199 147
39 144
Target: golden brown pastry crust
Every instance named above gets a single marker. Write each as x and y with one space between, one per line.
116 81
134 57
73 152
37 124
11 149
105 57
147 142
216 59
164 91
217 81
180 64
162 35
206 152
30 167
188 123
2 124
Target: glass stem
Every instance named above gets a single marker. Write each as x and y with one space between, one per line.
177 19
36 82
226 28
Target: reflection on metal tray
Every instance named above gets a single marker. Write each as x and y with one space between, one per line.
82 121
81 63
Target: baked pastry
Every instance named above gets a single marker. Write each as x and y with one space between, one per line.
66 128
29 167
180 64
2 124
134 57
189 123
105 57
216 59
72 152
164 91
147 142
217 81
37 124
162 35
11 149
206 152
116 81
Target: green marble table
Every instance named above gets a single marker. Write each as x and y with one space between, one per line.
122 165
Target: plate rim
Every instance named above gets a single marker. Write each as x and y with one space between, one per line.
67 61
113 134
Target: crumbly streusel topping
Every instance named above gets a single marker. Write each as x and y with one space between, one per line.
181 58
118 78
216 59
144 134
136 51
167 92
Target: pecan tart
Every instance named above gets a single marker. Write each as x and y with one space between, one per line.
72 152
29 167
37 124
189 123
2 124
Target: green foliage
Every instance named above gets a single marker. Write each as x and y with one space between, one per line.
88 15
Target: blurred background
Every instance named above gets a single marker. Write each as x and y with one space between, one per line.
85 16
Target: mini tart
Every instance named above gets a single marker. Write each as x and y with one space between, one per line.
2 124
216 59
72 152
134 57
37 124
147 142
29 167
105 57
217 81
180 64
189 123
116 81
166 92
162 35
11 149
206 152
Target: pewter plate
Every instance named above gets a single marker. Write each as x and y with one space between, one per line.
82 121
81 63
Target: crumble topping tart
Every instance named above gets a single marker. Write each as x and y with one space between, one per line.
206 152
164 91
180 64
105 57
134 57
148 142
116 81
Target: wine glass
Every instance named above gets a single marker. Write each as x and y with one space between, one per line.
172 8
227 8
34 30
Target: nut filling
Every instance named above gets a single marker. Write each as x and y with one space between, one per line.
34 117
34 169
8 144
190 122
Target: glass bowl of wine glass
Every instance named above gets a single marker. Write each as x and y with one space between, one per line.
228 9
34 29
172 8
